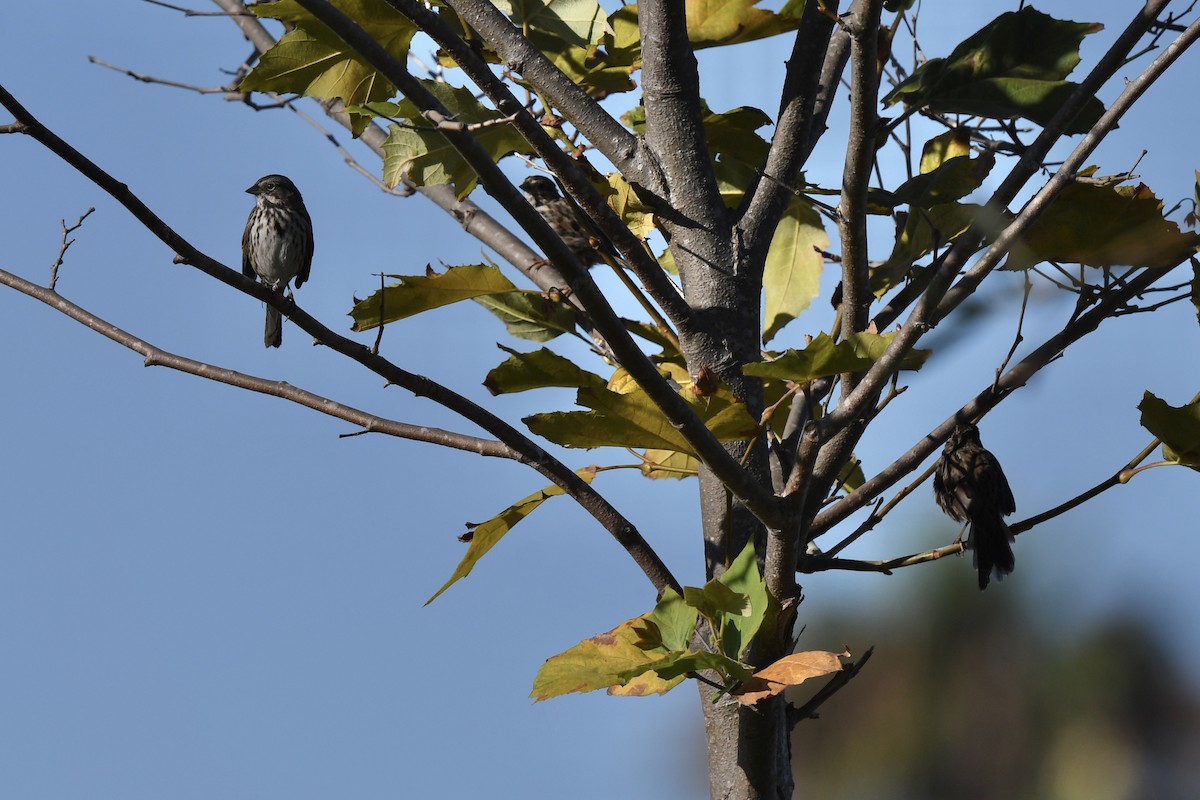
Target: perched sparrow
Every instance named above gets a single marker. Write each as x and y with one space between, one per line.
277 244
970 487
560 214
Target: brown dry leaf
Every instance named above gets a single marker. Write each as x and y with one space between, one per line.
788 671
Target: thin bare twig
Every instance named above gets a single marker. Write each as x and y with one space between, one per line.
66 243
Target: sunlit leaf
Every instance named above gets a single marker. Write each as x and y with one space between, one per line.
824 357
310 60
1104 226
631 419
659 464
719 22
676 665
617 660
1178 428
486 535
576 22
792 275
417 293
423 155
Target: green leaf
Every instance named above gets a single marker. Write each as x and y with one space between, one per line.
417 293
743 578
1012 67
631 419
530 315
674 619
712 23
424 156
486 535
1104 226
1178 428
313 62
716 600
537 370
792 275
825 357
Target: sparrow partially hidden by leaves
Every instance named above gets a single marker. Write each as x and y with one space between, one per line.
277 244
562 217
970 487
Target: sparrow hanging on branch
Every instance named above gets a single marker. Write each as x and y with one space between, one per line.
277 244
970 487
589 246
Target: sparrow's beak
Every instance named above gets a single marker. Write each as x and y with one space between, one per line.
253 189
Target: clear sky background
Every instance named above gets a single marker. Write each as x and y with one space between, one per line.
208 593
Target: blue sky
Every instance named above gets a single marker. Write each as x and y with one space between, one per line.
205 592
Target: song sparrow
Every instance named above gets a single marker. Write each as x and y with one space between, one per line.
970 487
561 215
277 244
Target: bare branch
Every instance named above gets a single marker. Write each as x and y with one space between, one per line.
157 357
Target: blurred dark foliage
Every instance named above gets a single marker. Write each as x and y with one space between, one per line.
972 702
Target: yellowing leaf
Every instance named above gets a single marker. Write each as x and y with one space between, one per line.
631 419
659 464
417 293
618 659
576 22
788 671
1104 226
720 22
423 155
310 60
486 535
793 270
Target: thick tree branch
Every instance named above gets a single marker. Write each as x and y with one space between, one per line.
768 199
757 498
674 129
561 475
856 175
